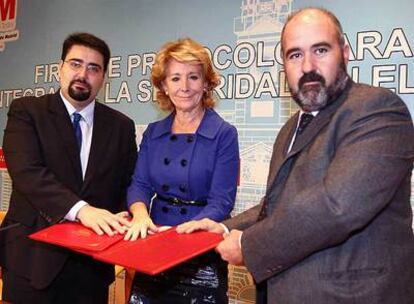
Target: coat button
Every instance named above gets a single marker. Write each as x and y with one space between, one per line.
183 162
165 187
183 211
190 138
183 188
167 161
173 137
165 209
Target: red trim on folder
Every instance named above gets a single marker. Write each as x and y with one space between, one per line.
2 160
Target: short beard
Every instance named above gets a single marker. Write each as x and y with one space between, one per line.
317 96
79 95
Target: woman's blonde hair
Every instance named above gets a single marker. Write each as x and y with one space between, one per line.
184 50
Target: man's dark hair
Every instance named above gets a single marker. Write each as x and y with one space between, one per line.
87 40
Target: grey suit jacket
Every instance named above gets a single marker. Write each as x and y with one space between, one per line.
338 224
43 161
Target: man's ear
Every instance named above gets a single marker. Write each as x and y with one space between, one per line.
60 66
345 53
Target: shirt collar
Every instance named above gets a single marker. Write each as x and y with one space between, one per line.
314 113
301 112
86 112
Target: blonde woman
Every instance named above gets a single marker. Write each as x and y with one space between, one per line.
190 161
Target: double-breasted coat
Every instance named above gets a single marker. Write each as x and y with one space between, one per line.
200 167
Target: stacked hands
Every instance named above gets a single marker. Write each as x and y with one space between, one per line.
104 222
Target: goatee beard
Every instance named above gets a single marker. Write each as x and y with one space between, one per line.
79 95
316 96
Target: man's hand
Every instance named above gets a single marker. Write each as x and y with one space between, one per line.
229 248
102 221
204 224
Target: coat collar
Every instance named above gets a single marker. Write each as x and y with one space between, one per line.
61 119
319 122
209 126
101 139
87 112
280 155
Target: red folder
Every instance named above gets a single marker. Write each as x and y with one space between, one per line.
152 255
75 236
160 251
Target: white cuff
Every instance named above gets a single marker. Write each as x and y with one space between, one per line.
226 230
240 239
73 212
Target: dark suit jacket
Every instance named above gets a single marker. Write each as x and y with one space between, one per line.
43 161
338 224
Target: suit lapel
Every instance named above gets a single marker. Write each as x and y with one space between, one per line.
101 135
280 156
60 117
319 122
280 149
308 135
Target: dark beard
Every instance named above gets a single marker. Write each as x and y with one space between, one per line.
317 96
79 95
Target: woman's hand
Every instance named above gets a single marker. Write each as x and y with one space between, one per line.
140 224
204 224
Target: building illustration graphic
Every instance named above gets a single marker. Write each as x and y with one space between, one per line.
257 120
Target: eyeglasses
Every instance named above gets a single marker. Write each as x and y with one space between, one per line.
77 66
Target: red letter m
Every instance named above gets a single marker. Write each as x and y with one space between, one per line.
7 10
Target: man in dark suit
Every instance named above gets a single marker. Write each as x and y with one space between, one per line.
70 158
335 223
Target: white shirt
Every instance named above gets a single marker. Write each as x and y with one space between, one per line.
86 125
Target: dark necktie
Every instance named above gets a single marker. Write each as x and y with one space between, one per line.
76 126
305 119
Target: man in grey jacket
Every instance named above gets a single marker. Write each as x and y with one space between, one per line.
335 223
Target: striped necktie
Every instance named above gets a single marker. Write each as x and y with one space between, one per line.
305 119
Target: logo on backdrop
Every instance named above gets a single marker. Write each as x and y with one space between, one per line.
8 16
